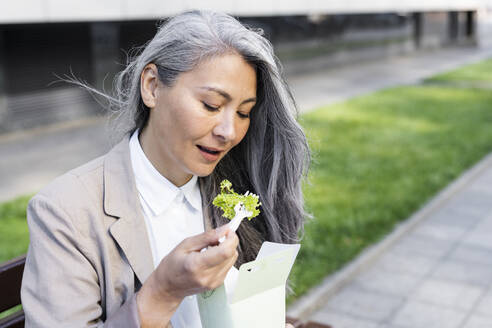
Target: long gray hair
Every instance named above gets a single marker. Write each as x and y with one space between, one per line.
272 158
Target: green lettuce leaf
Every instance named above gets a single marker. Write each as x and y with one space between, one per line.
227 199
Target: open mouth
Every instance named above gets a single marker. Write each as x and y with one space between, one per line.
208 150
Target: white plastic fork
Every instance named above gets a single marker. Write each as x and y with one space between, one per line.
240 213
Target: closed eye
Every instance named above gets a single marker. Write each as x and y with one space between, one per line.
209 107
243 115
214 109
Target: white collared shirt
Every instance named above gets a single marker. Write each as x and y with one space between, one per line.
171 214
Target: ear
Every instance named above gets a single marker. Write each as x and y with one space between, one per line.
149 80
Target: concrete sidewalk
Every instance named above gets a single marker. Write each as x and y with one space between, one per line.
434 270
324 87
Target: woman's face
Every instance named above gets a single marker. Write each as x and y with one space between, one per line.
194 123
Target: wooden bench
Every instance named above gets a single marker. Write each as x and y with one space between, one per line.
10 286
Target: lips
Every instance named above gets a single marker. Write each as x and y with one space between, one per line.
209 149
209 153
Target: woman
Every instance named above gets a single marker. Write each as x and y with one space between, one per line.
117 241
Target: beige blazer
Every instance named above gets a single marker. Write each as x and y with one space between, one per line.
89 250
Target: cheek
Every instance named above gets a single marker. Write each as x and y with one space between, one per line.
241 131
194 125
186 122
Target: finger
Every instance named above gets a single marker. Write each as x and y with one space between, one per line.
231 238
229 265
218 274
288 325
205 239
218 255
221 276
225 266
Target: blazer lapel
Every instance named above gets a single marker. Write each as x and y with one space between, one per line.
121 201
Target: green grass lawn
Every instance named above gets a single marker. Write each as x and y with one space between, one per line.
377 159
14 236
479 73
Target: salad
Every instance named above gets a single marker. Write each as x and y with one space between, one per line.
228 201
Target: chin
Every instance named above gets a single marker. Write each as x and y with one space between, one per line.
204 170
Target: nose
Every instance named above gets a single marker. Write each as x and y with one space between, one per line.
225 128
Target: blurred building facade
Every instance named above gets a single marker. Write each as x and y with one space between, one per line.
43 40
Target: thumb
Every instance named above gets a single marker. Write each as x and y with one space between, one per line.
208 238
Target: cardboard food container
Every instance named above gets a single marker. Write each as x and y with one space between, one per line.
258 297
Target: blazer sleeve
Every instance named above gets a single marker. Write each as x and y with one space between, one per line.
60 286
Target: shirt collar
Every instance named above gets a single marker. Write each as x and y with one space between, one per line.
192 194
157 191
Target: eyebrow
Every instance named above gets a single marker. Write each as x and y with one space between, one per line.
226 95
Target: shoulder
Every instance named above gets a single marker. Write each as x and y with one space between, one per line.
73 200
76 184
79 195
71 204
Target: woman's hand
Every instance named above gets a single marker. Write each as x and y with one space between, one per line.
186 271
288 325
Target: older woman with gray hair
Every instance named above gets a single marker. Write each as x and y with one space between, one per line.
116 242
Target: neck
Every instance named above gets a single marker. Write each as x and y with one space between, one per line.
158 159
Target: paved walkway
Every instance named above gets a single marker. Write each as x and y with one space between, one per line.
437 272
328 86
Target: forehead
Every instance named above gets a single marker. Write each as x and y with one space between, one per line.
229 72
